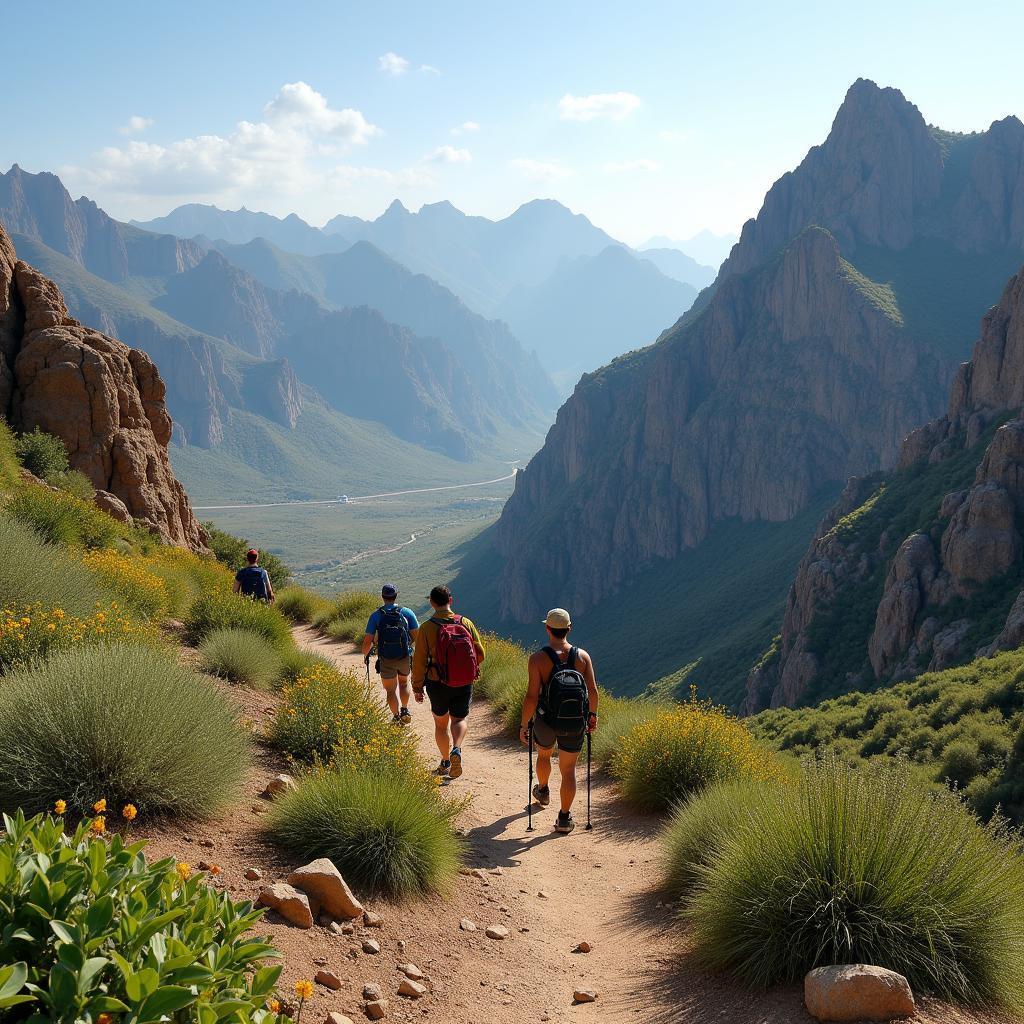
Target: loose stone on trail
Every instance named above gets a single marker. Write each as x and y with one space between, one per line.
466 925
496 931
584 995
291 904
371 947
328 979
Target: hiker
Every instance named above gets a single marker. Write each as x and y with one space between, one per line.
447 663
561 707
252 580
394 630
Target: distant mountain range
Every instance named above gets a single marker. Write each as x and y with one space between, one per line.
705 247
832 330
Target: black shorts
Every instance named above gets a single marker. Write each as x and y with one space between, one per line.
449 700
546 737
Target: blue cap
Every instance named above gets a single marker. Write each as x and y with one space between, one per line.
389 590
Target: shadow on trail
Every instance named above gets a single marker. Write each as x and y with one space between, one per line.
503 842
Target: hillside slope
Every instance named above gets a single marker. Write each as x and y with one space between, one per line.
794 371
920 569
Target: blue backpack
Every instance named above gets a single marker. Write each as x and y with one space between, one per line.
252 581
393 641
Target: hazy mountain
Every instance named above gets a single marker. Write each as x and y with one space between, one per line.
592 309
922 568
705 247
834 328
516 385
677 265
240 226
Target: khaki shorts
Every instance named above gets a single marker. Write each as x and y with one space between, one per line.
545 737
390 668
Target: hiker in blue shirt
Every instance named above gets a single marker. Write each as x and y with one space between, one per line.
393 629
253 580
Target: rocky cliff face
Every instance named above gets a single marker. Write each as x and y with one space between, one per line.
794 370
948 590
105 400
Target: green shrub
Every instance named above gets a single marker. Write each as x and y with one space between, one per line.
74 482
224 610
62 518
866 867
347 631
230 551
10 464
299 662
241 656
42 454
126 724
34 571
618 718
380 831
698 827
90 928
348 607
187 576
678 751
301 605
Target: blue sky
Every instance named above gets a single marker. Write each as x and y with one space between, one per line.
650 118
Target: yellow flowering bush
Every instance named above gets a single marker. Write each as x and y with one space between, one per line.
328 718
32 631
129 578
681 750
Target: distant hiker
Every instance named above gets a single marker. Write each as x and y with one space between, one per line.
393 629
561 702
252 580
447 663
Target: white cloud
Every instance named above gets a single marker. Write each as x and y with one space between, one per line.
625 166
450 155
466 128
612 105
540 170
392 64
277 153
135 124
429 69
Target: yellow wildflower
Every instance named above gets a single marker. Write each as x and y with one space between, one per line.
303 989
60 807
129 811
274 1006
100 806
184 870
99 825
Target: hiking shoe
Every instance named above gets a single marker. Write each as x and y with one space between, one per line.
396 720
441 771
456 767
564 822
542 795
405 717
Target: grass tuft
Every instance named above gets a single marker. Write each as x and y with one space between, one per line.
224 610
301 605
242 656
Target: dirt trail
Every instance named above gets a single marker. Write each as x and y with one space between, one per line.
600 887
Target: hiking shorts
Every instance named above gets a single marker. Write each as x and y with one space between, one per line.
546 737
449 700
391 668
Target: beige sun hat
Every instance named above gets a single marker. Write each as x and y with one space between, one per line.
558 618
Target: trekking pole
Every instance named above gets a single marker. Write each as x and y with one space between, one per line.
529 791
589 825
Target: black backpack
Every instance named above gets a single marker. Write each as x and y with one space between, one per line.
564 703
392 634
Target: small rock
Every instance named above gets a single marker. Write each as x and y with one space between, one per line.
466 925
497 871
412 989
337 1018
465 871
372 920
524 929
206 843
848 992
478 873
372 991
322 880
348 929
584 995
291 904
253 874
278 785
496 931
371 947
583 947
320 961
376 1009
411 971
542 895
204 865
328 979
401 945
337 929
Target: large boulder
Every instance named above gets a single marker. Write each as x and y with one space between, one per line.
857 992
322 881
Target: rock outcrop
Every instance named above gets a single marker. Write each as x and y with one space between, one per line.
943 581
796 369
102 398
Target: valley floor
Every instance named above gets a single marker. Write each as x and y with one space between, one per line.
600 887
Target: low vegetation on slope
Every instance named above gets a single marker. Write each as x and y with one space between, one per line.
963 726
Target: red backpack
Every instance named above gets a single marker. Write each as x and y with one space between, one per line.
455 653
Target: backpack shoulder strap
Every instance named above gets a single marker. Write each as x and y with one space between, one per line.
555 660
573 651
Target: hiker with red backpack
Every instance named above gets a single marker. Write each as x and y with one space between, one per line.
446 664
392 629
560 707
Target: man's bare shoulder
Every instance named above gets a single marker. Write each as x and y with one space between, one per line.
583 656
538 657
